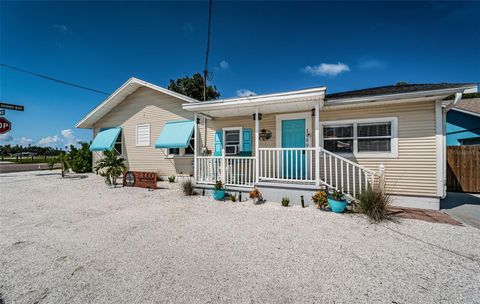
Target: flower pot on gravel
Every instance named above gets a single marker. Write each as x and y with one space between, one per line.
337 206
218 191
218 194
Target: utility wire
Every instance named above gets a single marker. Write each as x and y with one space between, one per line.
52 79
205 70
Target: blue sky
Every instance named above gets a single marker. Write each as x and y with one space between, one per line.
262 47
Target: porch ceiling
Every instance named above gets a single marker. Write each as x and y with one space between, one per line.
227 111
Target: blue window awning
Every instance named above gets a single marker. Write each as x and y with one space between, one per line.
175 134
105 139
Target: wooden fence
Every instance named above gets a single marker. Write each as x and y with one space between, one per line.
463 169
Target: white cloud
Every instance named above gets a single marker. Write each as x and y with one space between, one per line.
6 138
245 93
61 28
52 141
326 69
66 138
9 139
69 137
224 65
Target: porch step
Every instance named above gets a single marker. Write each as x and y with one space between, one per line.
291 185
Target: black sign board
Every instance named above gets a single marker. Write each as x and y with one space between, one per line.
9 106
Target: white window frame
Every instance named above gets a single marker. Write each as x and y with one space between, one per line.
137 144
240 130
302 115
181 153
394 137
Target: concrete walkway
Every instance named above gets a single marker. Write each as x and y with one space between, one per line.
463 206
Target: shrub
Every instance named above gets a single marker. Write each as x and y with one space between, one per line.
374 203
218 186
171 179
80 159
285 201
320 199
233 198
255 195
187 187
111 166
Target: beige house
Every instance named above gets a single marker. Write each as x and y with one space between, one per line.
286 144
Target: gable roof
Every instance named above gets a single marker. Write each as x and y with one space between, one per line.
119 95
469 106
397 89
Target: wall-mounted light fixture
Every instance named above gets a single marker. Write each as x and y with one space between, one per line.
259 116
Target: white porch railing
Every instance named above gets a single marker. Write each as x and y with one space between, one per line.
295 165
231 170
343 174
287 164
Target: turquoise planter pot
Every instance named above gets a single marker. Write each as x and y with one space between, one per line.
218 194
337 206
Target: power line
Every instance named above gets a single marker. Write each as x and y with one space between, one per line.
53 79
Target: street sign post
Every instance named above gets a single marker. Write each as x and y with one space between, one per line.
10 106
5 125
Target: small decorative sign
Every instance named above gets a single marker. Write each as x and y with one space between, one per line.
265 134
2 112
140 179
10 106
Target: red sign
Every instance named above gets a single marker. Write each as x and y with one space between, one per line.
140 179
5 125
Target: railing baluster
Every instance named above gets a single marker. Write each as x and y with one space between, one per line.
353 181
366 180
336 173
301 164
330 168
348 178
341 175
324 155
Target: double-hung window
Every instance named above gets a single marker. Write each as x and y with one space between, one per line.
338 138
363 137
233 140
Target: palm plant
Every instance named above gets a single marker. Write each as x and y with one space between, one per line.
63 159
111 166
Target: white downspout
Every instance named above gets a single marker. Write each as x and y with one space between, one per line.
456 100
195 144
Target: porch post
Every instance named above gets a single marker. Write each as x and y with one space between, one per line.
195 146
317 143
257 145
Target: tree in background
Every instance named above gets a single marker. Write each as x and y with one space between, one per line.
193 87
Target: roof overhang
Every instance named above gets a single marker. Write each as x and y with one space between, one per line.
119 95
292 101
385 99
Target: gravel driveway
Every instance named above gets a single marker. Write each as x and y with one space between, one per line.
74 240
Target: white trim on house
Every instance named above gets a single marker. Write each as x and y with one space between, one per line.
145 143
240 131
119 95
308 126
394 137
466 112
440 148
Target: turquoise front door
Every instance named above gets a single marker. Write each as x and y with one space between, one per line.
293 136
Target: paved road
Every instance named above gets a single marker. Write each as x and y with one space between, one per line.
463 206
12 167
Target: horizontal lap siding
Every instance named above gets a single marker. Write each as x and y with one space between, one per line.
414 171
147 106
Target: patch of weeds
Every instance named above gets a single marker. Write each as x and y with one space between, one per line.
285 201
171 179
187 187
374 203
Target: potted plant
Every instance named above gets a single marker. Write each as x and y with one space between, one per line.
218 191
337 201
255 195
320 199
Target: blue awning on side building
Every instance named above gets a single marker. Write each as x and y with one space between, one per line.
175 134
105 139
